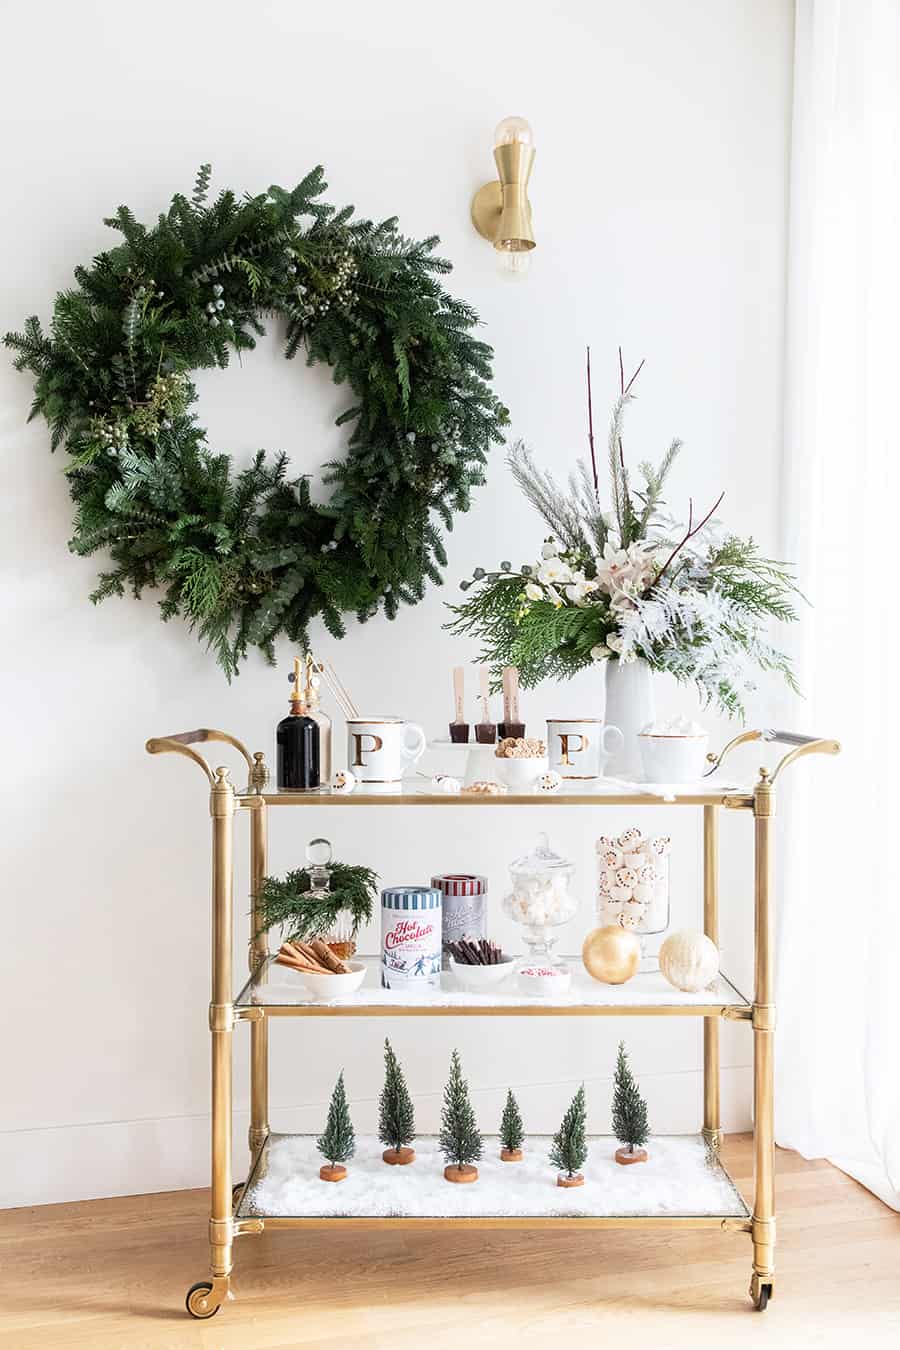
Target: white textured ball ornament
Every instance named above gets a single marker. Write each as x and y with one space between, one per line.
343 781
689 960
550 782
444 782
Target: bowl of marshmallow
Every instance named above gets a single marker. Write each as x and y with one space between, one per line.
673 751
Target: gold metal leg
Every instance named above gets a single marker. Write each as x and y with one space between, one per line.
712 1132
259 1030
763 1222
221 1023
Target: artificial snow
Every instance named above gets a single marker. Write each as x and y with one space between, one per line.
285 987
680 1178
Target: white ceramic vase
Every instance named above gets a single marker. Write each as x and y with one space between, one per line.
630 705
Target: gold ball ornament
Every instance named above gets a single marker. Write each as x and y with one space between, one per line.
611 954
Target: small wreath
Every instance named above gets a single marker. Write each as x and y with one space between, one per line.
246 556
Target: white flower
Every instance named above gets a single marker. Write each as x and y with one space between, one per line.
613 642
580 588
601 652
621 601
549 549
554 572
533 591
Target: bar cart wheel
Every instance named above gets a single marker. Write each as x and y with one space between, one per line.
198 1301
760 1293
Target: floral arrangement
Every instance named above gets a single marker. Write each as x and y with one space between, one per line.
627 584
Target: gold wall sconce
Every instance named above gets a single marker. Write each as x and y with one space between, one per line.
501 211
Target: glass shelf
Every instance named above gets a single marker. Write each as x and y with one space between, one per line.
282 993
419 792
682 1183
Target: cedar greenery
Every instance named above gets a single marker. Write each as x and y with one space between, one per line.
286 901
459 1139
512 1131
629 1110
245 556
396 1116
337 1142
569 1149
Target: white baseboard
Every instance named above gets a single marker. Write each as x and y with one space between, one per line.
136 1157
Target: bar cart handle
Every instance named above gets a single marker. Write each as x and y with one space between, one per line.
181 741
803 745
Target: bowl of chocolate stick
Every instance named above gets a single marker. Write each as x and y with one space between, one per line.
477 964
325 975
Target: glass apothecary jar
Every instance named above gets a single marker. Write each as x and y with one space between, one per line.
633 886
541 899
338 926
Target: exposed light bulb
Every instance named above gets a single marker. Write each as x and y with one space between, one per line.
514 263
513 131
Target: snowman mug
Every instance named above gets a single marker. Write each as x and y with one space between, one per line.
379 748
577 747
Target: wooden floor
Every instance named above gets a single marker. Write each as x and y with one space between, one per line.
112 1275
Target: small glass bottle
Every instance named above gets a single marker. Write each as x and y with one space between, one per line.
313 710
339 933
297 743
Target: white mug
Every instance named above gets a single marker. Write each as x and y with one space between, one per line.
378 749
578 746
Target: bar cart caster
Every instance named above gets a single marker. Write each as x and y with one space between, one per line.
760 1292
205 1298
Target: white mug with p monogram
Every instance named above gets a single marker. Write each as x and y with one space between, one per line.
578 747
379 748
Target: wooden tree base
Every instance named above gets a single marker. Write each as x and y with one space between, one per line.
399 1157
461 1174
626 1156
511 1155
576 1180
336 1173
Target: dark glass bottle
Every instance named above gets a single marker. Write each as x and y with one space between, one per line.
297 744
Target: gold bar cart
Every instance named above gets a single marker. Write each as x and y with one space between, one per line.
232 1212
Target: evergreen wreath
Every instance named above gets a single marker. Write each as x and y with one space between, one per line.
246 556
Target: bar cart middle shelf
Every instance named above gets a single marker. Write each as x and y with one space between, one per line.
707 1196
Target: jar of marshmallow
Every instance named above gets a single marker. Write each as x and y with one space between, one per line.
541 898
633 885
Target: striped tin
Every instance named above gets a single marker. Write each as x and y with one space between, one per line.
411 937
464 911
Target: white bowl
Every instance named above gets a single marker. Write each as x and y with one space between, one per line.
331 986
544 978
521 775
479 979
673 758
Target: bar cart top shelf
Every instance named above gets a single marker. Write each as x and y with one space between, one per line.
419 792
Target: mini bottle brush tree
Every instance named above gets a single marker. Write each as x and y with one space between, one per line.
512 1131
629 1113
459 1139
337 1142
396 1117
569 1148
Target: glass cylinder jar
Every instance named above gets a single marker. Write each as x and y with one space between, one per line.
633 885
337 931
541 898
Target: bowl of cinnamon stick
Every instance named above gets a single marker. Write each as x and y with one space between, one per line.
324 974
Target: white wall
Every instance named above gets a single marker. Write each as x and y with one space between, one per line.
659 202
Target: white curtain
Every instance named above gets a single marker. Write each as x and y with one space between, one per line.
838 1061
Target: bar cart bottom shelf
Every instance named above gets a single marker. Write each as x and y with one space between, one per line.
682 1183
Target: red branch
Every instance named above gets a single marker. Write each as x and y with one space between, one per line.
623 390
691 531
591 428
